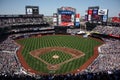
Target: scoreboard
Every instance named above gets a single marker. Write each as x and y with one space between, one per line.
32 10
66 16
95 15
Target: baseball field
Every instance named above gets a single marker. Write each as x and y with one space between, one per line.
57 54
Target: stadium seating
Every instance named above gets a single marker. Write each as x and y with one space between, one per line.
105 67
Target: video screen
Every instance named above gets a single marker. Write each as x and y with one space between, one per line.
29 11
35 11
66 17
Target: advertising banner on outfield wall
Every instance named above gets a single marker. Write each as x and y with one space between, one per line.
95 16
59 19
77 20
65 12
89 17
105 18
95 12
77 24
77 16
102 11
72 18
90 11
54 17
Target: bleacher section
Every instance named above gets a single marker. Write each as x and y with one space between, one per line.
108 30
24 24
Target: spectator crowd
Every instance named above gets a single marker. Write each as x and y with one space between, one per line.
8 45
109 53
12 21
107 30
9 62
108 58
105 67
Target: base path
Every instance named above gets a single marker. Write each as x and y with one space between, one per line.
29 69
75 54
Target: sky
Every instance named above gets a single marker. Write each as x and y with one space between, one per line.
48 7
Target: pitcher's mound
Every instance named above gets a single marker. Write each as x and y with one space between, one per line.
55 56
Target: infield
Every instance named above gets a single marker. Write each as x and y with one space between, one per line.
56 56
84 45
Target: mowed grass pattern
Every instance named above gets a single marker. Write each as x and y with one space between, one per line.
48 57
85 45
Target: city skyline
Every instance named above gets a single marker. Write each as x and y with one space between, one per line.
48 7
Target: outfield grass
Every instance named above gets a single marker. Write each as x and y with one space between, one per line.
85 45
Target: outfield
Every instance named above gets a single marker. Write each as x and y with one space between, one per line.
85 45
